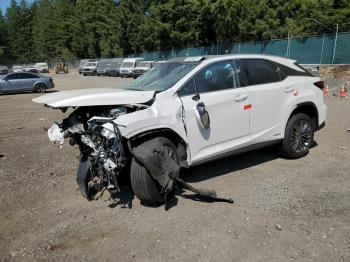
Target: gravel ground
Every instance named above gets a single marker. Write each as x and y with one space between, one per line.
284 210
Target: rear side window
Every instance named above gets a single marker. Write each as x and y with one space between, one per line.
287 71
256 72
27 76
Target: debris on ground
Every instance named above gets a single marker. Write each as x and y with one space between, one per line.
278 227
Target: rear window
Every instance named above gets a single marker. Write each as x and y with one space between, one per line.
256 72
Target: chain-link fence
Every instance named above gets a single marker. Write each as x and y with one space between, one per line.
321 49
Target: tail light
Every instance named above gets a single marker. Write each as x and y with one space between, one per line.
319 84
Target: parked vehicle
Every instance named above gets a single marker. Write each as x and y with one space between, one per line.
19 82
103 66
17 69
188 111
142 67
42 67
4 70
82 63
31 69
114 67
90 68
127 66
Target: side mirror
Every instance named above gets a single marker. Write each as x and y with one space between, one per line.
204 115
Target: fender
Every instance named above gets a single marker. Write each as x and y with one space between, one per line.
299 106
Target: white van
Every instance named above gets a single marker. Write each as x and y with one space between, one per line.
128 65
42 67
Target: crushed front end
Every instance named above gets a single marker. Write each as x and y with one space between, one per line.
103 159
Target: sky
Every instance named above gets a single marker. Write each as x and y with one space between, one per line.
5 3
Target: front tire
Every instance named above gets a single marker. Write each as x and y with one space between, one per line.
144 186
298 137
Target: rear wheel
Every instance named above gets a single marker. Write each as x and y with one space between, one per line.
40 88
144 186
298 137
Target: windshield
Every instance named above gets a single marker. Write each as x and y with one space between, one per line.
143 64
127 64
161 77
103 64
91 64
115 64
16 67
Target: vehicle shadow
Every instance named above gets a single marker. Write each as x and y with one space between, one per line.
203 172
27 93
123 199
230 164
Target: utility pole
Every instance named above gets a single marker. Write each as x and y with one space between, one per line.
322 49
335 43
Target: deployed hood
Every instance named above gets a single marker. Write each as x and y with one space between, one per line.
94 97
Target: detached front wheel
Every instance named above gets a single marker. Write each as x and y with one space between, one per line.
144 186
298 137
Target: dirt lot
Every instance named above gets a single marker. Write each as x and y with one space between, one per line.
285 210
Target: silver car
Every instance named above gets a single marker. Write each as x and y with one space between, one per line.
19 82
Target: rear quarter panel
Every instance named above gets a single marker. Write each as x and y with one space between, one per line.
305 92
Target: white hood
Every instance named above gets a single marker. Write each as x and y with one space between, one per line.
94 97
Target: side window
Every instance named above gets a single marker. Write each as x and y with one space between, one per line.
27 76
188 89
256 72
12 77
219 76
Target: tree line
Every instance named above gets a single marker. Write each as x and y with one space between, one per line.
49 29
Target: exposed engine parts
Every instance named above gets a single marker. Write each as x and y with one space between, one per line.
100 145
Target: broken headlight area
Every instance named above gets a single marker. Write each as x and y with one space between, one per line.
100 143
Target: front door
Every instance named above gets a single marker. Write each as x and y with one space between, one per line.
10 83
217 87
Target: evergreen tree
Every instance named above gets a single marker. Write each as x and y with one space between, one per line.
3 39
50 29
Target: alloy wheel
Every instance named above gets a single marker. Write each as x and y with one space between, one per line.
301 136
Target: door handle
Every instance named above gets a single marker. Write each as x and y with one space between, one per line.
289 90
240 98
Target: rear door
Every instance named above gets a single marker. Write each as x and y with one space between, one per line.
225 101
269 94
27 81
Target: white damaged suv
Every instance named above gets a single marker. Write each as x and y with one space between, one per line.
199 109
